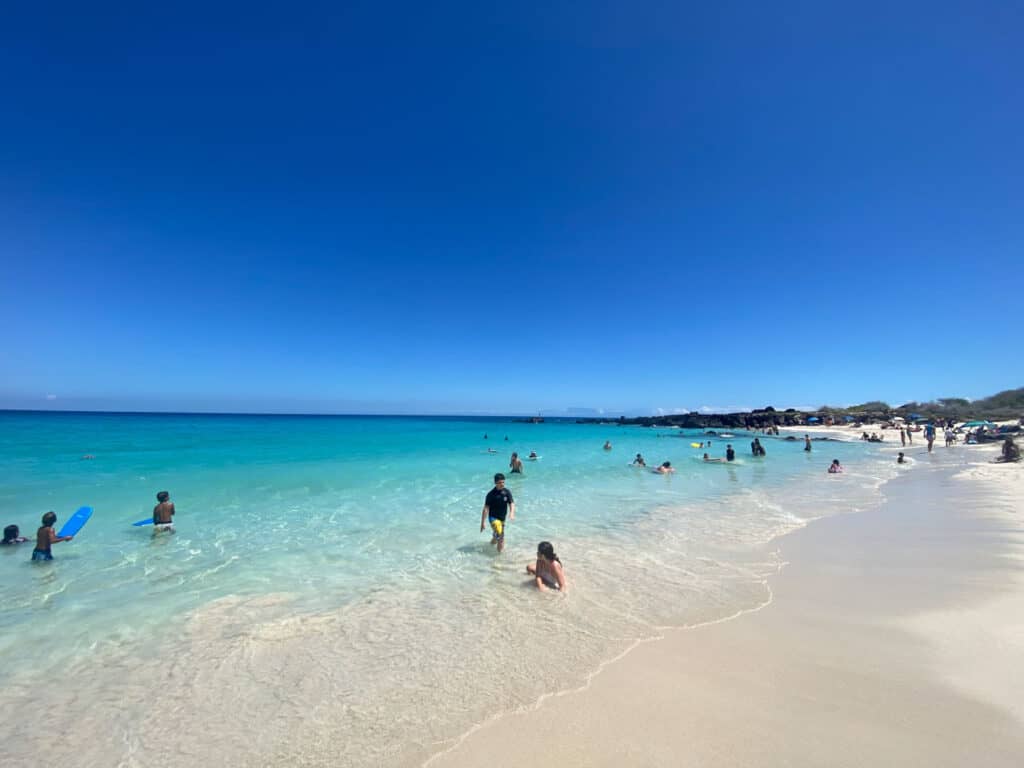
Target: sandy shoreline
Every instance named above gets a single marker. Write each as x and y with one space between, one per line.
894 637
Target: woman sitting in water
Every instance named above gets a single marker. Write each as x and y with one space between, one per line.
665 468
836 467
547 572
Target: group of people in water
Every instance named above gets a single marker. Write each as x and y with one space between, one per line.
46 535
499 510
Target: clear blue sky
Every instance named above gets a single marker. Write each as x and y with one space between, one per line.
445 208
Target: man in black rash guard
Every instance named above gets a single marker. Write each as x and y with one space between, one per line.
497 506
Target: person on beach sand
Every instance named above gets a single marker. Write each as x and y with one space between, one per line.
836 468
903 437
515 464
929 435
12 535
665 468
1010 451
163 514
547 572
46 536
497 506
807 443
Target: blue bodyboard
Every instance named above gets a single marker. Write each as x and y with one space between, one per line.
147 521
76 521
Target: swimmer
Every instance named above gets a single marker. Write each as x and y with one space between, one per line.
639 461
163 514
665 468
607 445
12 535
835 468
533 455
709 459
515 464
547 572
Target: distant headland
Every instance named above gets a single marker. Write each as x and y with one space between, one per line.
1003 406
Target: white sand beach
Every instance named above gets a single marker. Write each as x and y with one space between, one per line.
894 637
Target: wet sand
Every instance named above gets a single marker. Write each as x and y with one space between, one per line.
894 637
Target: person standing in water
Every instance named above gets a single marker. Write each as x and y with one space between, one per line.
498 506
163 514
547 572
807 443
515 464
730 454
46 536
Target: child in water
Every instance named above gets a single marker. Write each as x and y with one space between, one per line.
836 468
163 514
547 572
46 536
11 535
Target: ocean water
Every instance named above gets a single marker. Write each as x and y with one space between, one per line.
328 598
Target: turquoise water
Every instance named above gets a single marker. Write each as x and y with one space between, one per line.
329 584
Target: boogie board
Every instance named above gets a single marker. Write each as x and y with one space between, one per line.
696 445
76 521
147 521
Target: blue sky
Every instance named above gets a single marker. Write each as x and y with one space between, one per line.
447 208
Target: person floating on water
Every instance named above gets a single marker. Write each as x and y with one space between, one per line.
730 454
665 468
46 536
515 464
639 461
547 572
498 505
709 459
835 468
12 535
163 514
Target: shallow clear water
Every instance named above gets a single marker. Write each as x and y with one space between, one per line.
329 586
